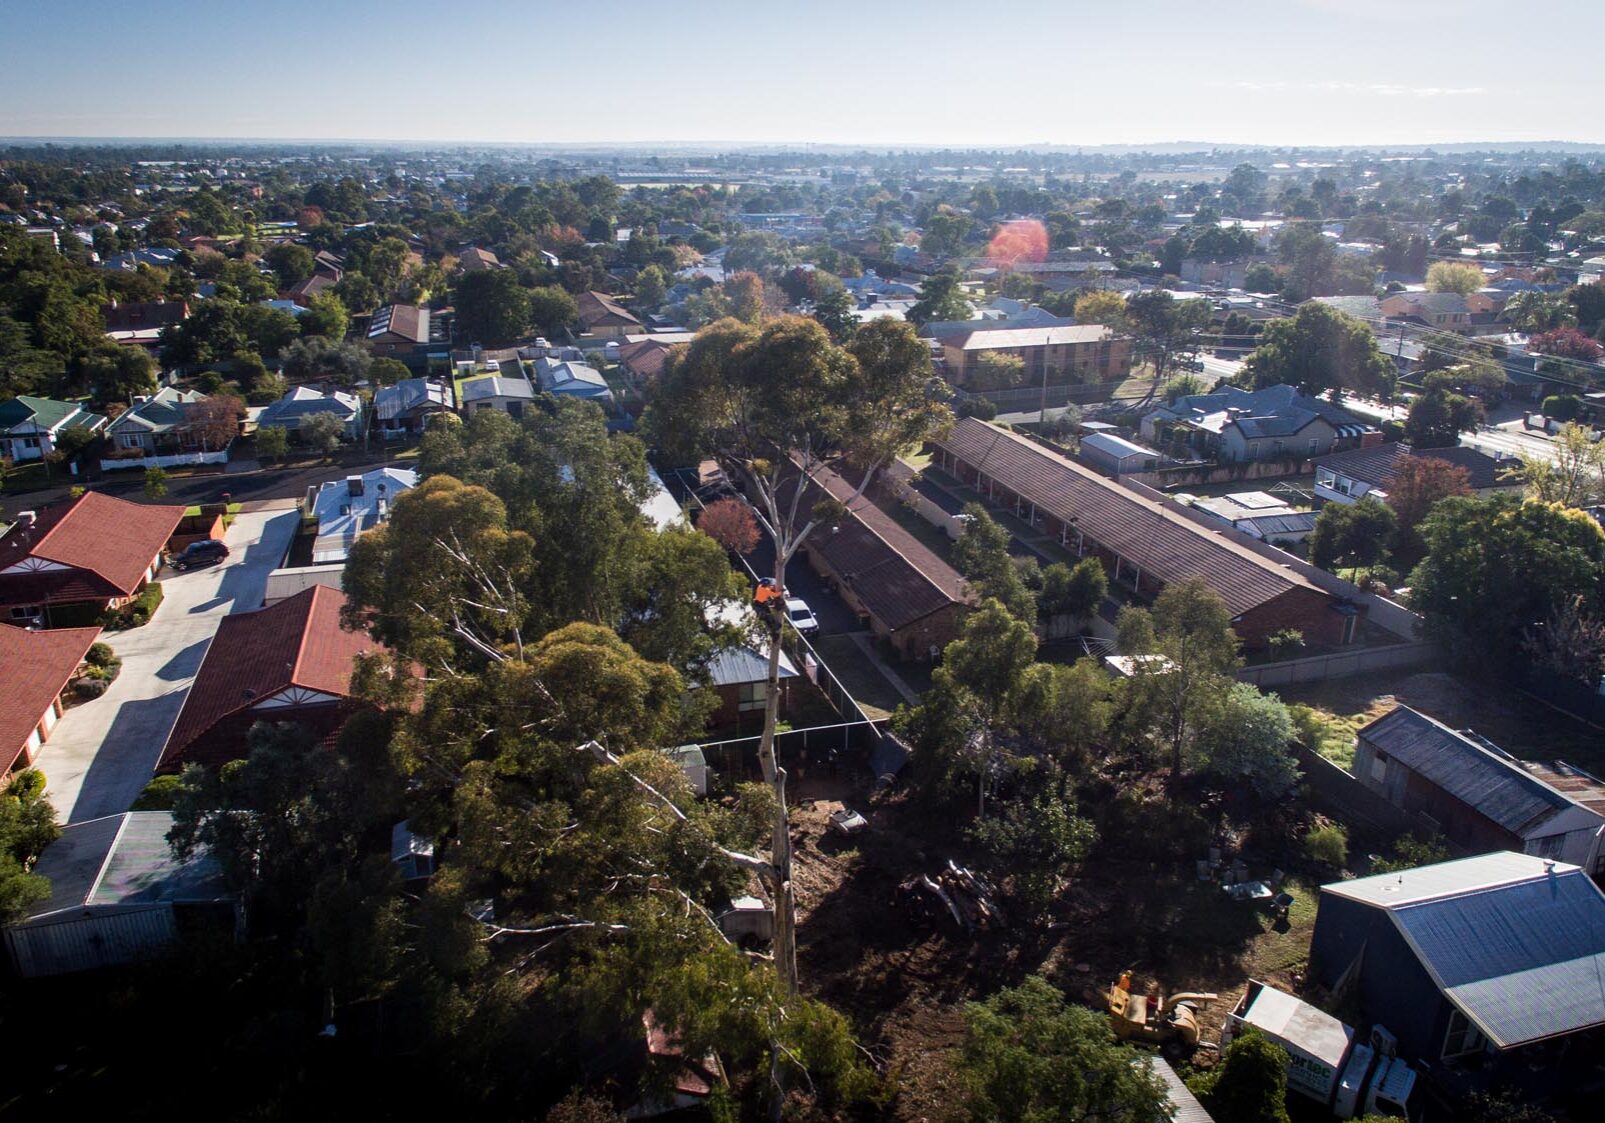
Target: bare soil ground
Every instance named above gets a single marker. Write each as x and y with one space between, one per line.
905 984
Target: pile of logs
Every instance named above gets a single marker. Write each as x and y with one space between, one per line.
952 894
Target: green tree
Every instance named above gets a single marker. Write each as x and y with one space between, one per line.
1077 592
27 826
981 555
1191 629
492 307
291 261
1034 844
1249 1085
1437 418
941 298
835 311
326 316
1260 277
1101 306
552 309
155 483
651 288
1494 566
1352 534
1030 1056
1454 276
1317 350
386 371
1247 741
996 370
272 442
1167 330
118 373
322 432
316 358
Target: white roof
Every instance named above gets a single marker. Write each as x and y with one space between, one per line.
1316 1032
1446 879
1118 447
495 386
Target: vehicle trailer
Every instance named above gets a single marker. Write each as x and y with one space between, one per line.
1328 1063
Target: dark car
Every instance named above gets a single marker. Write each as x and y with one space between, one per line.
204 552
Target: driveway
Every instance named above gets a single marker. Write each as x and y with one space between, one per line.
103 752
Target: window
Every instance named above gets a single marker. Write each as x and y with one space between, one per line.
131 440
1325 477
30 442
25 612
1349 623
1463 1037
1379 768
1315 445
752 696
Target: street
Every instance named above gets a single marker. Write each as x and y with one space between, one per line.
103 751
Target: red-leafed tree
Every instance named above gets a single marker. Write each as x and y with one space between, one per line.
730 523
1420 482
1566 343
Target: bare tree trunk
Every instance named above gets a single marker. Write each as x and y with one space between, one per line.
785 916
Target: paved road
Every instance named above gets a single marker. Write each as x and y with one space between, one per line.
103 752
258 483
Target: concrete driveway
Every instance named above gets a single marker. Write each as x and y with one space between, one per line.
103 752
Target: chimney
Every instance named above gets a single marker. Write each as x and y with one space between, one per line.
354 486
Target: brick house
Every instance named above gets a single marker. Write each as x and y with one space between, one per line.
1144 543
1085 352
68 562
35 668
291 662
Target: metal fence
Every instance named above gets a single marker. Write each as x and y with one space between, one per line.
823 747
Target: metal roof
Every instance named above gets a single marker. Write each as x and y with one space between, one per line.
123 860
1475 774
1184 1106
1444 879
734 666
1117 447
1523 961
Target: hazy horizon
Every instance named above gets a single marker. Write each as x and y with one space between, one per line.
710 73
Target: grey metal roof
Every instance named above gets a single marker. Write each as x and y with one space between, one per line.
123 860
495 386
1472 773
1444 879
1184 1106
1523 961
734 666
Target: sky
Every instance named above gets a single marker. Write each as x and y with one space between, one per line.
986 73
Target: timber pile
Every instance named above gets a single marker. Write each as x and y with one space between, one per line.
953 894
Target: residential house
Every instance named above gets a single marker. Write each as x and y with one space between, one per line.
474 260
67 563
303 402
1476 794
157 257
1116 455
906 593
1347 477
513 396
118 894
398 330
740 676
1143 540
301 293
165 428
643 359
1259 515
1444 311
1088 353
141 322
1484 971
292 662
576 380
1234 425
30 428
35 668
407 406
346 509
602 317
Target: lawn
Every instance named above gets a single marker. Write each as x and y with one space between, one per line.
27 477
863 681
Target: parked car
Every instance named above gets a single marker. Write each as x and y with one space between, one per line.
204 552
801 616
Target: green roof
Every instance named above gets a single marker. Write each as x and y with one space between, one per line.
46 413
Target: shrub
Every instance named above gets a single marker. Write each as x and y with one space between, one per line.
981 408
137 612
158 794
1412 851
90 688
1327 844
101 655
26 785
1286 643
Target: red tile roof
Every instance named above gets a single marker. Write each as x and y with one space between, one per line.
599 310
644 359
34 668
896 577
297 643
108 545
1144 531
